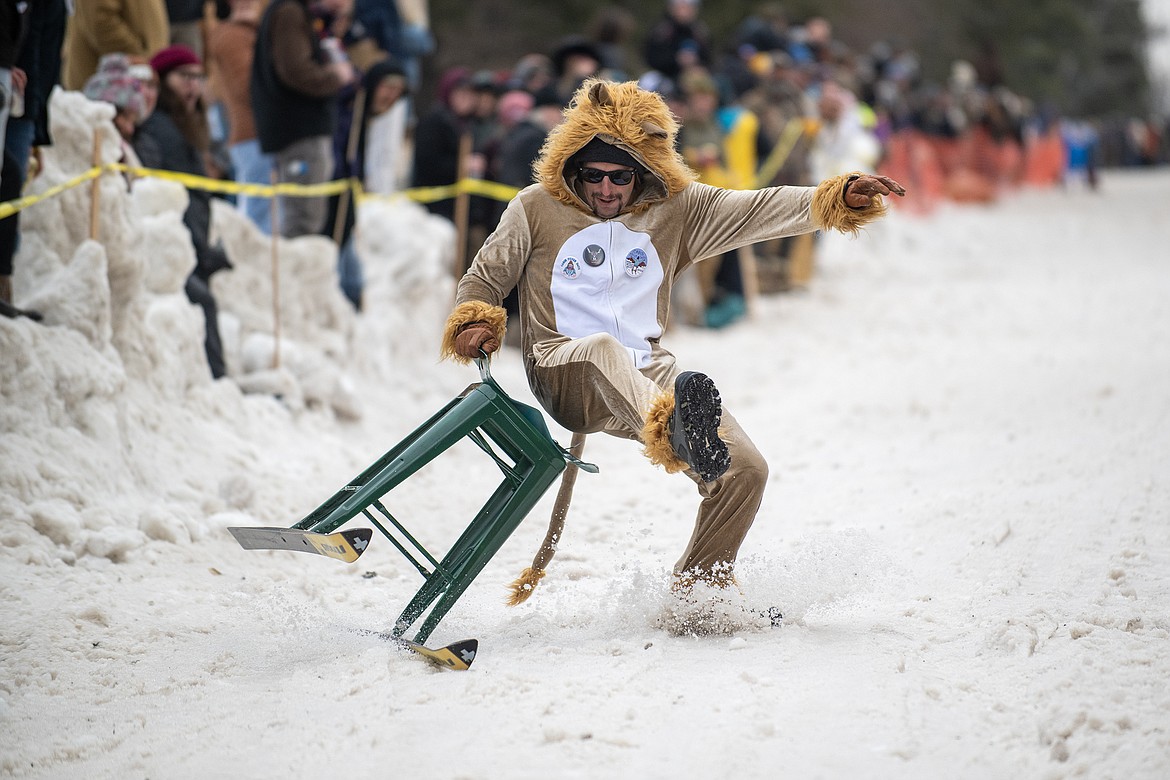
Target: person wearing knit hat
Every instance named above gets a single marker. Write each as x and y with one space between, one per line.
593 249
113 84
172 57
181 80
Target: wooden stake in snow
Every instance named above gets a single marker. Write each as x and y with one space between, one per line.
275 229
462 207
95 189
351 150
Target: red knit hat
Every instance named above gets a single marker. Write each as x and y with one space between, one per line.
172 57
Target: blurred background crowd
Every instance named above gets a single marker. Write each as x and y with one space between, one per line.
958 103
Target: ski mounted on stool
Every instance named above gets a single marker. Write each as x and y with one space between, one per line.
344 545
513 435
457 655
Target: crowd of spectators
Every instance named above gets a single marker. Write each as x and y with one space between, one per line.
781 101
308 91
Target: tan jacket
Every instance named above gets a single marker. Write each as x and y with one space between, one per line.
578 274
138 28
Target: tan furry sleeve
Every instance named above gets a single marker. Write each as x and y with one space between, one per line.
466 313
830 211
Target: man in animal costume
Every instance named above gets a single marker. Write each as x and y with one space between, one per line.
593 249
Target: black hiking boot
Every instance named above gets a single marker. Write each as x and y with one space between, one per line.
694 426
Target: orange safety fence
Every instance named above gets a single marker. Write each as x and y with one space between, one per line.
972 168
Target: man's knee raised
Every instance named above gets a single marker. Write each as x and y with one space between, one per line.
748 464
603 342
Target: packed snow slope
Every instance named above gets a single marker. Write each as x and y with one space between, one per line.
967 525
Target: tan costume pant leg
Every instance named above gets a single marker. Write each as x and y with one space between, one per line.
728 508
590 384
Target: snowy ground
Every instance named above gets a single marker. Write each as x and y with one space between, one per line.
967 528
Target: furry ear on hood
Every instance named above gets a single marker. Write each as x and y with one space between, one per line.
625 116
599 94
654 130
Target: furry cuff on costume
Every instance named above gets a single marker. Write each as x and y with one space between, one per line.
656 435
829 209
465 314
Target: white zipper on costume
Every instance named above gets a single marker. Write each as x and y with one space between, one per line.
618 297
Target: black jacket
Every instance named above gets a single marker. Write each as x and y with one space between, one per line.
12 20
159 144
40 58
285 115
436 154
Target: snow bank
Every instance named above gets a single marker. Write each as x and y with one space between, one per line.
113 430
966 525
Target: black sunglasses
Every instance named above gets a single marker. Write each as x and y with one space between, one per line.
618 177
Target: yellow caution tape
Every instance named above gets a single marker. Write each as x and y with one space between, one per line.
788 138
223 186
13 206
487 189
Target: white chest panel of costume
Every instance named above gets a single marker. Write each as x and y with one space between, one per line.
605 280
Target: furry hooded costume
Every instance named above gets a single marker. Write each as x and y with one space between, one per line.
595 293
671 222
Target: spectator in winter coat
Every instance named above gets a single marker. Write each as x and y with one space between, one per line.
12 27
185 18
521 147
295 84
398 28
381 140
843 142
594 249
370 151
679 41
137 28
575 59
230 51
39 58
176 138
37 64
12 24
720 144
437 139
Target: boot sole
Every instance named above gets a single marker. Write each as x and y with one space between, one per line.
695 434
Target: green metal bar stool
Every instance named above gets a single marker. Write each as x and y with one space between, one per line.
513 434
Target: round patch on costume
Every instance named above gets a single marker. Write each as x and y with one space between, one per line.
570 268
594 255
635 263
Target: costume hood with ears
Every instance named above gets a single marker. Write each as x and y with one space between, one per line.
625 116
